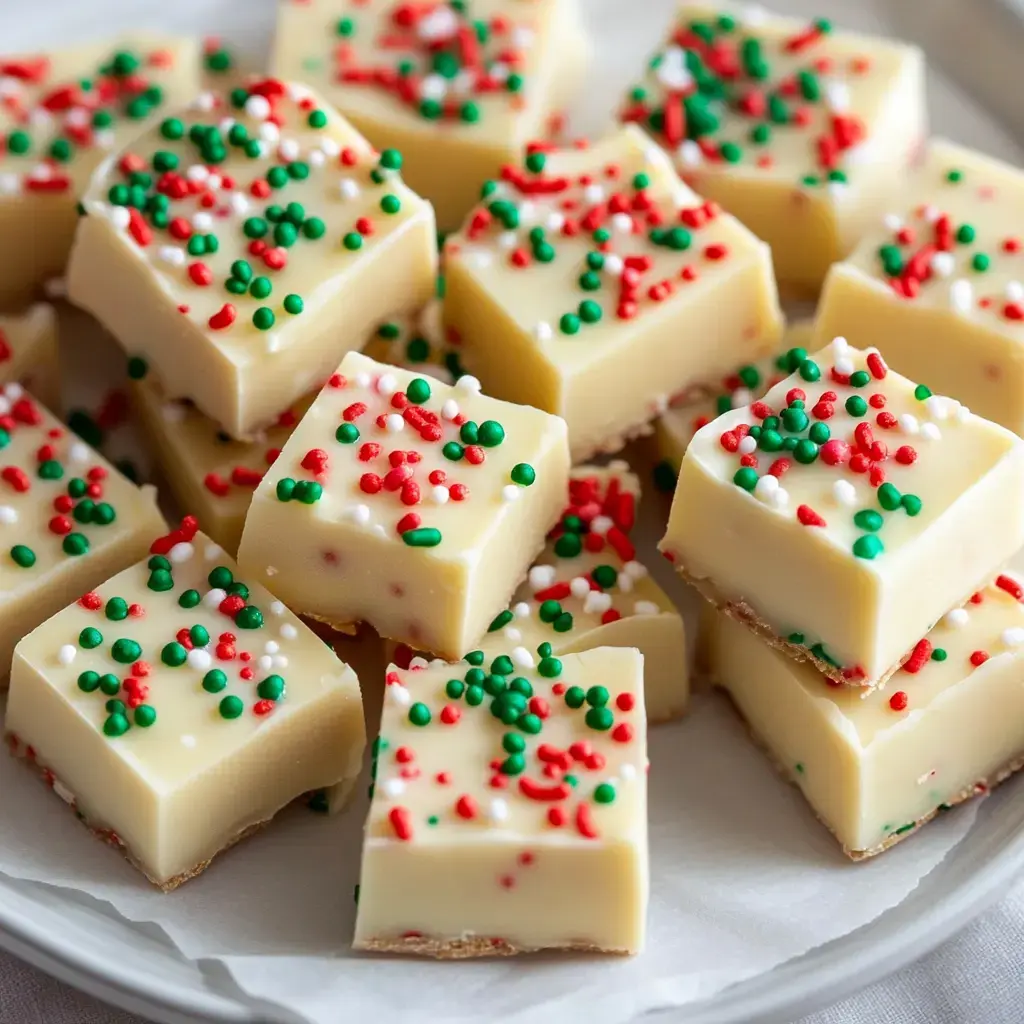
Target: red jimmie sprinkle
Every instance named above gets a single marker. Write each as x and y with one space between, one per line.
808 517
401 823
1011 586
898 701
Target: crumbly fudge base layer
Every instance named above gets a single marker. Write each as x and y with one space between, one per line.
983 785
745 615
613 445
109 836
467 949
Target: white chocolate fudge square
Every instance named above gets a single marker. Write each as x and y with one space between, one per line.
588 590
210 474
29 353
874 766
690 410
62 113
873 504
178 706
503 788
938 283
592 283
459 89
68 519
243 245
802 132
408 504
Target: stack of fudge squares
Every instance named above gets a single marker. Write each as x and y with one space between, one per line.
387 449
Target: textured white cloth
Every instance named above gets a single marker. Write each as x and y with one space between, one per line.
972 979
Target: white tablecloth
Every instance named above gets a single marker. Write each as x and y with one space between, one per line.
974 978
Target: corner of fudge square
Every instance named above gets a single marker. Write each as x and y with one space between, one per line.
242 245
178 707
411 505
936 283
805 132
504 787
846 511
592 283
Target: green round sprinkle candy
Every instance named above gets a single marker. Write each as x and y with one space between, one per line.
124 652
249 617
423 537
889 497
418 392
419 714
981 261
491 433
116 725
317 119
550 668
856 406
75 544
868 547
452 451
794 420
22 556
220 577
309 492
254 227
115 707
868 519
172 128
145 715
88 682
860 378
912 504
769 441
809 371
83 511
805 452
819 433
89 638
513 743
231 707
589 281
390 204
173 654
597 696
549 610
242 270
271 688
535 162
347 433
530 723
50 470
454 689
575 696
475 695
285 489
600 719
746 477
502 665
500 620
293 304
569 323
352 241
263 319
160 580
391 160
590 311
965 234
314 228
523 474
605 576
199 636
568 545
939 654
137 368
921 392
514 764
189 599
214 681
110 684
604 793
954 176
103 514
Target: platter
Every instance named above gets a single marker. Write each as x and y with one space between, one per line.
138 968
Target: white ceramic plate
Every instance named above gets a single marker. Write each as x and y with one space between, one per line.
137 968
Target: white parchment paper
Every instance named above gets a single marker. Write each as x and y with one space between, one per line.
743 877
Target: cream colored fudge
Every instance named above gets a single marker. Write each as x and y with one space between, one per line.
504 789
691 409
592 283
802 132
29 353
459 89
936 284
68 519
178 707
61 113
244 245
210 474
845 512
588 590
374 511
875 766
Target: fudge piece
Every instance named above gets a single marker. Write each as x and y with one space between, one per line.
209 473
29 353
592 283
179 707
244 245
688 411
875 766
374 510
802 132
458 88
504 787
873 504
588 590
61 114
936 285
68 519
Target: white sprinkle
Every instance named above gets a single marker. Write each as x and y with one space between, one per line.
614 265
197 172
943 263
780 498
507 240
8 515
79 452
521 610
387 384
468 384
288 150
348 188
214 597
623 223
931 213
188 741
555 221
938 406
837 96
747 445
480 258
635 569
601 525
579 586
627 772
512 635
199 659
265 662
624 583
379 531
440 494
766 487
393 787
844 493
362 380
280 661
205 101
317 158
257 107
271 647
689 153
202 221
543 331
276 608
956 618
120 217
63 792
67 653
844 365
1014 291
909 424
645 608
597 602
1013 637
171 255
358 514
288 631
181 552
892 221
399 694
497 810
593 193
271 570
329 147
522 657
930 432
541 576
394 423
742 397
450 409
510 492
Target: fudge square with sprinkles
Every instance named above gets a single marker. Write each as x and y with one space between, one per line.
802 132
179 706
845 512
68 518
62 113
938 283
875 766
504 788
408 504
458 88
257 235
591 282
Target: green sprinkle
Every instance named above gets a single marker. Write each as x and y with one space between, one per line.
116 725
418 391
868 547
249 617
981 261
231 707
214 681
422 537
569 323
88 682
124 652
22 556
89 638
145 715
921 392
856 406
173 654
912 504
189 599
271 688
352 241
604 793
746 477
889 497
868 519
419 714
600 719
523 474
347 433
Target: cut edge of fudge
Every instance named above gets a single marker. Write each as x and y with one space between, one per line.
471 949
